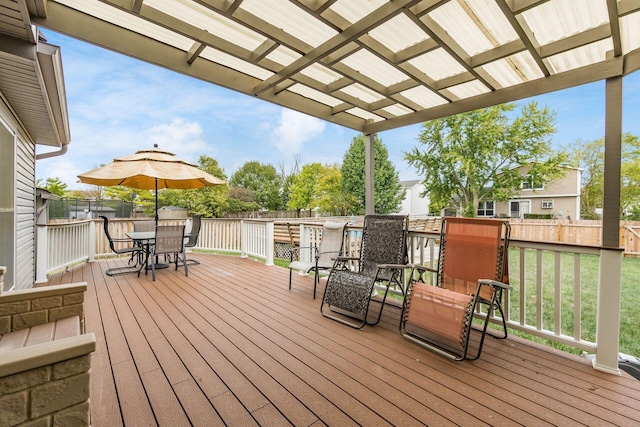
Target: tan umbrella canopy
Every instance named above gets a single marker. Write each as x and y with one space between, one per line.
150 170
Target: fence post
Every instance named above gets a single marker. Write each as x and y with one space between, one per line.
608 314
243 239
270 243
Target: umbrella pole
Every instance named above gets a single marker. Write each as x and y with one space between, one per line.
156 218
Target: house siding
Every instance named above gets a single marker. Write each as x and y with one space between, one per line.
564 192
24 204
25 214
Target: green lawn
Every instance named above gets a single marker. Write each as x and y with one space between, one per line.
630 310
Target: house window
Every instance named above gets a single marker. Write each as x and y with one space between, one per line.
547 204
530 183
485 209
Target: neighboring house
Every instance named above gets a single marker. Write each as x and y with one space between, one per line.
559 198
33 110
414 203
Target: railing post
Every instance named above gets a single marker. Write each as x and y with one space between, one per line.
42 254
270 243
305 242
608 315
243 239
92 241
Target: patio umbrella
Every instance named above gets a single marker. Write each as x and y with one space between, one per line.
150 170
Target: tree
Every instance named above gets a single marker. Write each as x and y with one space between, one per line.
303 187
589 156
473 157
387 188
210 202
53 185
330 197
263 180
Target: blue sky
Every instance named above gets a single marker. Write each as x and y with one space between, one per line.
118 105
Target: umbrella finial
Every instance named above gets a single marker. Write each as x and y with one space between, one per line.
155 145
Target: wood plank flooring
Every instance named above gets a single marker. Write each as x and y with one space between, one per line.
231 345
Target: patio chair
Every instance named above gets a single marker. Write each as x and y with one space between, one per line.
193 236
135 252
472 271
169 241
382 259
144 225
323 255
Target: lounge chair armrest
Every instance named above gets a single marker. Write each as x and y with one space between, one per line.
494 283
423 268
347 258
394 266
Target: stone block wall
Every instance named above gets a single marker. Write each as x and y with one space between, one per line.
24 309
52 395
46 384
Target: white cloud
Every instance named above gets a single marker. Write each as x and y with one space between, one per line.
181 137
294 129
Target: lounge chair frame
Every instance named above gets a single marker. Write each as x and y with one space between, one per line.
382 258
472 271
323 255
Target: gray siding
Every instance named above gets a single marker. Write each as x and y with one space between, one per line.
25 214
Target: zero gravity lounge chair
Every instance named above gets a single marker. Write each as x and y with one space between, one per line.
382 259
472 272
323 255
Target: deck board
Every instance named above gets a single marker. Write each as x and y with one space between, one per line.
231 345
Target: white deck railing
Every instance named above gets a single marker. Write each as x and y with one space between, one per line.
68 244
535 272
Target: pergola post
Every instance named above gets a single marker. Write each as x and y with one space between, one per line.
369 160
610 271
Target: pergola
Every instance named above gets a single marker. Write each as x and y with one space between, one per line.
374 65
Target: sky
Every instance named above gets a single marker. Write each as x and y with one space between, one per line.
119 105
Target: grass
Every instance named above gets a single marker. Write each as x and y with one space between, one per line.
588 267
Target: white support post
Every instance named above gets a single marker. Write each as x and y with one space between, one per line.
608 314
270 243
42 254
243 240
92 241
369 162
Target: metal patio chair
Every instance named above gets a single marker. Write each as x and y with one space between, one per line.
135 252
472 272
196 223
323 255
383 257
169 240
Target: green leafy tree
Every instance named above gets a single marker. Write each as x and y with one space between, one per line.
388 192
263 180
329 195
302 191
241 200
589 156
53 185
473 157
210 202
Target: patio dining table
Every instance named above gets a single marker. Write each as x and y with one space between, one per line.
145 239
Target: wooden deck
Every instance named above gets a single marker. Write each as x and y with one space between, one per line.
231 345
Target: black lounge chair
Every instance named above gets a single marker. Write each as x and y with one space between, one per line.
383 257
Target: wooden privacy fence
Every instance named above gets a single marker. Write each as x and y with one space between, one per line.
581 232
